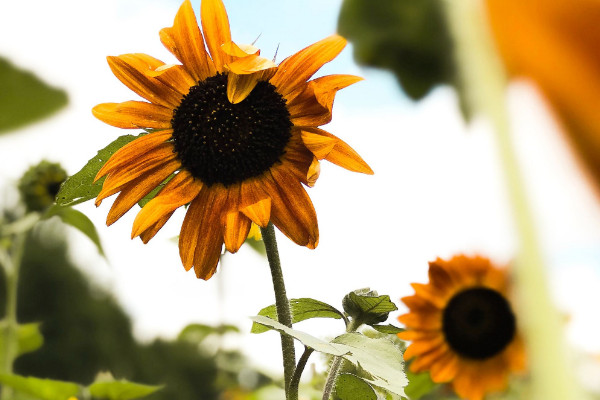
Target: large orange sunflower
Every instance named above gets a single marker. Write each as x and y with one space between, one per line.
237 135
462 327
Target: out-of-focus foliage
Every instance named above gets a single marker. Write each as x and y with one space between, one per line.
77 220
39 185
24 98
408 37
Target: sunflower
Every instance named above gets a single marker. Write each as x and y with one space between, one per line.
462 327
234 136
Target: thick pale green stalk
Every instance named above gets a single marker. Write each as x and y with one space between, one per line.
284 315
484 80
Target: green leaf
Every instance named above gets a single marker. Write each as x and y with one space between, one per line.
29 338
418 385
81 187
121 390
306 339
24 98
196 333
302 309
45 389
391 329
379 358
372 305
351 387
77 220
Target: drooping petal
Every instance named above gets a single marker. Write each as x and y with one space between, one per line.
235 224
215 25
180 190
174 76
299 67
188 237
153 229
185 41
134 115
255 202
210 237
239 50
138 80
133 151
340 154
137 188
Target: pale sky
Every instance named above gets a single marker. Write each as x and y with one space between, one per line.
437 188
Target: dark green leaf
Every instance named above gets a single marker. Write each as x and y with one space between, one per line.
391 329
77 220
351 387
24 98
373 305
45 389
121 390
81 187
418 385
302 309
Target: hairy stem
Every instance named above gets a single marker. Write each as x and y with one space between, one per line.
336 364
295 382
284 315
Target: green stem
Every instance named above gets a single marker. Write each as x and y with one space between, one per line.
336 364
284 315
485 83
295 382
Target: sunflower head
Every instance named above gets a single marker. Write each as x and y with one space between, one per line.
462 327
234 136
40 184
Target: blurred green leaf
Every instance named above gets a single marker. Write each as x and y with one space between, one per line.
306 339
196 333
418 385
389 328
302 309
24 98
45 389
351 387
121 390
77 220
379 358
29 338
81 187
410 38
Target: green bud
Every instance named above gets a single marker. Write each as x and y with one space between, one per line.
367 307
40 184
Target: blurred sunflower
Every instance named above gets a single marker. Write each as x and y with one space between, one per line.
237 135
462 327
555 43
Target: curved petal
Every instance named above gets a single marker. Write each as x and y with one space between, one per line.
174 76
215 25
153 230
134 114
133 75
299 67
185 41
340 154
255 203
210 237
133 151
180 190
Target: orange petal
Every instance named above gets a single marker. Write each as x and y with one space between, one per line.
133 151
210 237
133 73
236 229
240 86
259 212
341 154
188 237
175 76
134 114
239 50
292 211
299 67
153 230
185 41
215 25
313 172
135 189
255 203
180 190
445 369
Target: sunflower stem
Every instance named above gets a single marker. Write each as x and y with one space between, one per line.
295 382
336 364
483 78
282 304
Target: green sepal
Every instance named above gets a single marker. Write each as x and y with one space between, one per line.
81 187
44 389
301 309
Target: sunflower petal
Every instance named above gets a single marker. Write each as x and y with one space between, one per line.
236 229
239 50
185 41
255 203
134 76
299 67
134 115
188 237
174 76
153 230
215 25
210 237
180 190
313 172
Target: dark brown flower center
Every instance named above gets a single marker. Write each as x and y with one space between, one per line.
220 142
478 323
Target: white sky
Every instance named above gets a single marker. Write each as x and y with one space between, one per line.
437 188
